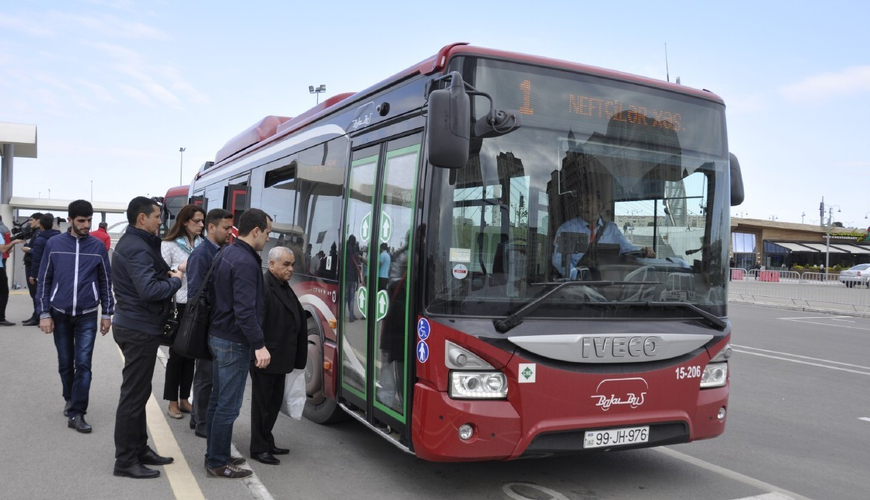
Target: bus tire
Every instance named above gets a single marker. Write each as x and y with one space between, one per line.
319 409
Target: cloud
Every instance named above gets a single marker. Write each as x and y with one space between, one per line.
137 95
853 80
29 26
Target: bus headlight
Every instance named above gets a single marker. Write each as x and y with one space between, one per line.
715 375
478 385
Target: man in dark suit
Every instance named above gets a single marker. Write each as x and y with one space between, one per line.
284 332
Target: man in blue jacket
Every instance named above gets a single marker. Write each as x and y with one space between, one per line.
46 232
73 281
144 286
235 331
219 226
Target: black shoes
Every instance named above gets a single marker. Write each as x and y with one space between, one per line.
274 450
137 471
266 458
30 322
78 423
6 323
152 458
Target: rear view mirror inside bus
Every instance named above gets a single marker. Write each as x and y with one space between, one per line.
449 124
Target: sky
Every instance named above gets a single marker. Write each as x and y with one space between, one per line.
117 87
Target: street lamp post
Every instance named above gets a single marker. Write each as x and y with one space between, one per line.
828 236
317 91
803 214
181 168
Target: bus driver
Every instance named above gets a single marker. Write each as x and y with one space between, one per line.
591 226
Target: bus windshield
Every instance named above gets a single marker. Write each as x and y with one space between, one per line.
619 187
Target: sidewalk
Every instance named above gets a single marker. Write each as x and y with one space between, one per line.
43 459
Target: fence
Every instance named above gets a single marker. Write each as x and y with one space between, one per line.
806 290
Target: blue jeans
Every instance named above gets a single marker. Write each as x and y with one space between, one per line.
74 339
229 374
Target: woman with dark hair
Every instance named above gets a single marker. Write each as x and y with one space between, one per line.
179 242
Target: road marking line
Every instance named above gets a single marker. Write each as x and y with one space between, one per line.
803 362
178 473
729 473
866 419
801 320
768 496
255 486
801 357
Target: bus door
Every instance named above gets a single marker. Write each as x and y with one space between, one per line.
375 278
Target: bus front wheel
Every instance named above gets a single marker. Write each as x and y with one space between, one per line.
319 409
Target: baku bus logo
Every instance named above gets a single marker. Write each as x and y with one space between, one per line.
620 391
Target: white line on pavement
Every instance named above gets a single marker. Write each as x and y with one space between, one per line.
800 357
768 496
757 483
803 362
866 419
833 325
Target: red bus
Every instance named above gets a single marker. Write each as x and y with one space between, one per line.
176 197
455 304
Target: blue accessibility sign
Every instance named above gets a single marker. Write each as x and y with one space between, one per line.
423 328
422 351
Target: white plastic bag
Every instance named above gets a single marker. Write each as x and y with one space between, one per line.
294 394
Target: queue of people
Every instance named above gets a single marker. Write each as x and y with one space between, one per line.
257 324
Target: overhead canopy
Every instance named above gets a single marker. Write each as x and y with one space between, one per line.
22 137
822 248
853 248
794 247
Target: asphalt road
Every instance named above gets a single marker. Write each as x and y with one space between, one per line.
794 431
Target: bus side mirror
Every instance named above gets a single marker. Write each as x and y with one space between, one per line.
736 182
449 125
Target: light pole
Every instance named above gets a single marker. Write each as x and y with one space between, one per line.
803 214
773 217
828 236
317 91
181 168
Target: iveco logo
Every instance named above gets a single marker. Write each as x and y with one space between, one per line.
611 347
620 347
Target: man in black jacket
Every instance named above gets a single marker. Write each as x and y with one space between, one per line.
235 330
284 335
144 286
33 320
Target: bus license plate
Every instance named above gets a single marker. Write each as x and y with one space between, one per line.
616 437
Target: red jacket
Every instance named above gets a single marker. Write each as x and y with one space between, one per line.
103 236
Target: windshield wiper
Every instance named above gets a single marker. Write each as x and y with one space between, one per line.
514 320
506 324
712 318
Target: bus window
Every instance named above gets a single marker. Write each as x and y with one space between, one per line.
321 185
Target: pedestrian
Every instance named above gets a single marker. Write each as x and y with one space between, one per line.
47 231
384 267
4 282
219 226
144 286
284 333
184 235
74 280
7 238
28 264
352 273
234 332
102 235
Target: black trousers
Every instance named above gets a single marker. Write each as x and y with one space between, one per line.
31 288
267 392
131 428
179 371
4 292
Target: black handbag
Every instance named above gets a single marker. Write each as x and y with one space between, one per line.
170 328
192 337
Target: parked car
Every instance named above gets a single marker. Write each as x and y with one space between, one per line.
857 275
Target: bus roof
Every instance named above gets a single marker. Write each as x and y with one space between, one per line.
177 191
272 128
